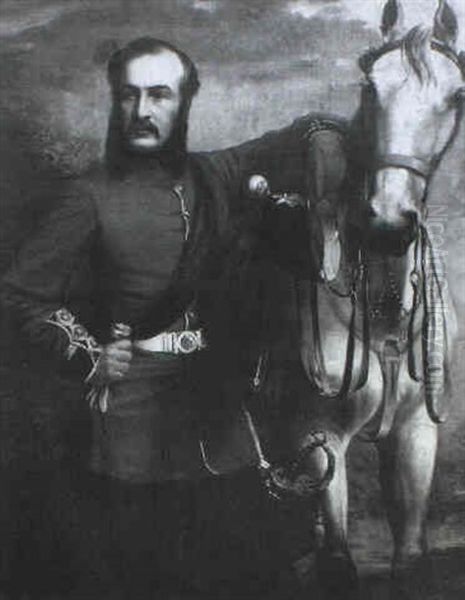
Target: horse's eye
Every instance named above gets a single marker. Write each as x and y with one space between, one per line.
457 97
460 94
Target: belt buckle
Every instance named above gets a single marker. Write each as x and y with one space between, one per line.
186 342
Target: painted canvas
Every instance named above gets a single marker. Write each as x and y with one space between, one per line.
367 162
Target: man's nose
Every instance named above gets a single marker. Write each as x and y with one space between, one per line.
142 106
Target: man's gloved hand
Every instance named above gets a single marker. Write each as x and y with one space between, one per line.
113 363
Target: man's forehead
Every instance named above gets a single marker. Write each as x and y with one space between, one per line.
150 70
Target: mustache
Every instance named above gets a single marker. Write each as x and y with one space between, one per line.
143 127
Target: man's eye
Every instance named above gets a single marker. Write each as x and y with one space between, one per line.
127 95
159 94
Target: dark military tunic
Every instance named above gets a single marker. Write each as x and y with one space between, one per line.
128 234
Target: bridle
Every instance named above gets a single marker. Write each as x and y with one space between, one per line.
417 165
368 59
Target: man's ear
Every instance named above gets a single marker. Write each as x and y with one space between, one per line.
446 27
392 21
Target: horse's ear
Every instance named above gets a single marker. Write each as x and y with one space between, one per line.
392 21
446 27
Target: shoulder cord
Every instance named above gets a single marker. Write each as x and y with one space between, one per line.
179 192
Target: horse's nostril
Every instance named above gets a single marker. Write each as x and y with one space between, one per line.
411 217
369 212
391 234
411 223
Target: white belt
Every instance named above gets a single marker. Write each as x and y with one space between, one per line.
173 342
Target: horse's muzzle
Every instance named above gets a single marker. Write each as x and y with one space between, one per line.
391 236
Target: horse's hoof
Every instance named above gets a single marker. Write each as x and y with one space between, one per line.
337 576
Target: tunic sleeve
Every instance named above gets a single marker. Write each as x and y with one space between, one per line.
285 157
34 291
306 158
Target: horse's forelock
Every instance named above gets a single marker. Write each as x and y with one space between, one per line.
416 47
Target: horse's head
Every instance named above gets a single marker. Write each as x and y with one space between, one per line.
414 85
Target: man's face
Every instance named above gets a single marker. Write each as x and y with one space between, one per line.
150 98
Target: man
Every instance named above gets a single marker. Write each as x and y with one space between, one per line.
155 333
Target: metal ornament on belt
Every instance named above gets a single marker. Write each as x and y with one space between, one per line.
187 342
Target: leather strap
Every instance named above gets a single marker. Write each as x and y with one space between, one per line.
365 364
389 359
434 337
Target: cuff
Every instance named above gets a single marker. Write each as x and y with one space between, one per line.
80 342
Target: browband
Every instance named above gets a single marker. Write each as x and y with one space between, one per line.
368 59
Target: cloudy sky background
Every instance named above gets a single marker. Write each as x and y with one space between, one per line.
262 63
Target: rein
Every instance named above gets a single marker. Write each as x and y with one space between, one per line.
434 334
358 291
414 164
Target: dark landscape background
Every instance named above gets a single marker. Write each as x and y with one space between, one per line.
262 64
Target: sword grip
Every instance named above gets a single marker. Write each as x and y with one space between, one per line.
120 331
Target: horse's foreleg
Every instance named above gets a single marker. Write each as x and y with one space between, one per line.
407 459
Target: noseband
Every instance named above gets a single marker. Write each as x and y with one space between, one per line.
418 166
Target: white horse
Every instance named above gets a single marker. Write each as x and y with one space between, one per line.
376 330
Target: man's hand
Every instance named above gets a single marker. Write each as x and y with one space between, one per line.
113 363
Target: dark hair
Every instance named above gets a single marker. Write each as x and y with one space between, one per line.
175 149
148 45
